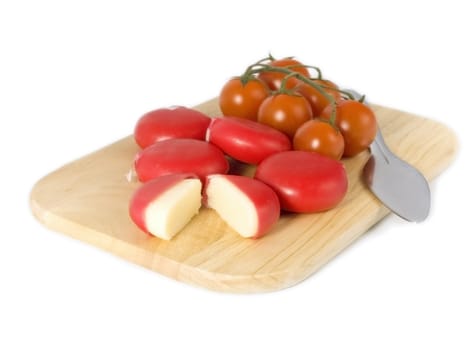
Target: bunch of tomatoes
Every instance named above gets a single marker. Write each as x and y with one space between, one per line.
313 112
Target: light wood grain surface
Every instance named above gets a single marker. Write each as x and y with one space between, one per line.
88 200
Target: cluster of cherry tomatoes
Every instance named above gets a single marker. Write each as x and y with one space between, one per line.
312 111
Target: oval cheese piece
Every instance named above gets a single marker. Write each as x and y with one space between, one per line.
246 140
306 182
168 123
180 156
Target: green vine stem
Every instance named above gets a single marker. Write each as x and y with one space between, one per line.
289 73
262 66
318 71
346 93
283 87
271 57
249 71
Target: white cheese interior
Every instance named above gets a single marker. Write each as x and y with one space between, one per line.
173 209
233 206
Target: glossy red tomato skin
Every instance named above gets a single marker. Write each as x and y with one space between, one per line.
242 100
274 79
319 136
357 123
285 112
180 156
167 123
305 182
245 140
317 100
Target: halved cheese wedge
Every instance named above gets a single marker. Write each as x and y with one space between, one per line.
247 205
162 207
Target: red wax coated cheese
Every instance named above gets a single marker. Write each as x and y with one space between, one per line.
305 182
180 156
246 140
163 206
168 123
247 205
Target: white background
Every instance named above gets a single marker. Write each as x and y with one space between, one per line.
75 76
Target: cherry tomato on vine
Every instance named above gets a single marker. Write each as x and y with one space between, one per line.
285 112
274 79
316 99
319 136
356 122
242 100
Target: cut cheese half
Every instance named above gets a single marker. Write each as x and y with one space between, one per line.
166 215
247 205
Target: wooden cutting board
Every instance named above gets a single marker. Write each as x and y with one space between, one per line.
88 200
